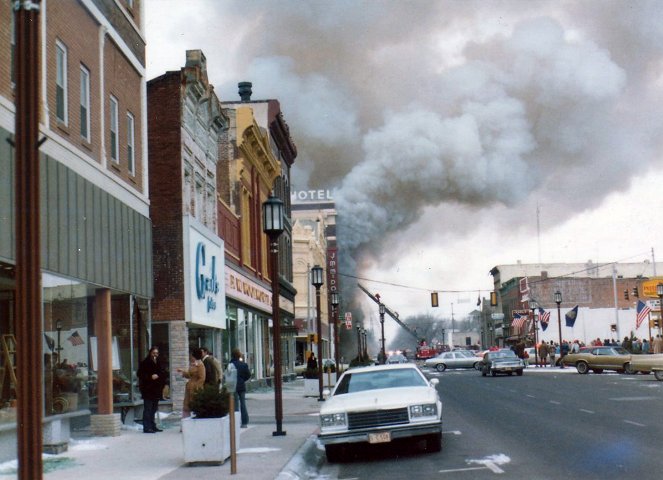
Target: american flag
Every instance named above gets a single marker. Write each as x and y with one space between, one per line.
544 318
76 339
642 313
518 321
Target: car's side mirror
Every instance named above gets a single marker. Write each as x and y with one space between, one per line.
434 381
326 392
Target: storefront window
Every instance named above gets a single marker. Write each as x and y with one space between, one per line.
67 312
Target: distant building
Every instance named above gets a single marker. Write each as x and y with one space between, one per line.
613 288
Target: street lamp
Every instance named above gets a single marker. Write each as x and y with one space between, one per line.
558 301
359 343
532 305
316 281
365 344
272 225
337 355
383 353
659 292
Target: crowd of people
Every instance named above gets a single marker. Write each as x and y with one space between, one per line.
204 369
547 352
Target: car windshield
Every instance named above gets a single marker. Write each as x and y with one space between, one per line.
361 381
501 354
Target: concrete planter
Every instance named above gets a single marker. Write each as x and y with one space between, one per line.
207 440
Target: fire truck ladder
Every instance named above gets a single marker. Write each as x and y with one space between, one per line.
389 312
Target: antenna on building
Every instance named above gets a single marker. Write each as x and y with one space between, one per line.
538 230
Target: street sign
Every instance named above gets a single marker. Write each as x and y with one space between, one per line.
497 316
348 320
649 287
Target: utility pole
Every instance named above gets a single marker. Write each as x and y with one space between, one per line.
29 391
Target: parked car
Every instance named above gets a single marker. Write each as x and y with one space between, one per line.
501 361
455 359
598 359
646 364
396 358
380 404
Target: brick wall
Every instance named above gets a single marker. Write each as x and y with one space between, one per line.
164 151
5 51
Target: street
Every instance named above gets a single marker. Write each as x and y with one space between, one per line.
547 424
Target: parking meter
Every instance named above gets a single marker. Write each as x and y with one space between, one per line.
231 378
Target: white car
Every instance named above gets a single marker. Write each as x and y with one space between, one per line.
379 404
455 359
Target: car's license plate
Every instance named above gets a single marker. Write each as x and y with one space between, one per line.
381 437
507 369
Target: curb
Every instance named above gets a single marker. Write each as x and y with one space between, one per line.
305 463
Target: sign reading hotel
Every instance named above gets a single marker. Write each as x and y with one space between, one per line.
311 196
206 303
248 292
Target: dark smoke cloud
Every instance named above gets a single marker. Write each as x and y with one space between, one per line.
417 110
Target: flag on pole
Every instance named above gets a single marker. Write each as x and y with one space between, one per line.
571 316
76 339
544 318
518 321
642 312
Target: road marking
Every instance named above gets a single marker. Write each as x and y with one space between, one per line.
492 462
452 432
554 402
634 423
531 396
454 470
586 411
632 399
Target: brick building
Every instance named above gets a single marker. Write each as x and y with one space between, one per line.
257 156
606 296
186 124
95 228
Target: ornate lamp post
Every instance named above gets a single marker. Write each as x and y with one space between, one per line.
558 301
383 353
337 355
316 281
365 344
272 224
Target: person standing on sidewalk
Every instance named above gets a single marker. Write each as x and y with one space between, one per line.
151 380
196 376
243 374
543 354
212 370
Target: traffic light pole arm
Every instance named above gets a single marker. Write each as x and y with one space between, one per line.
388 311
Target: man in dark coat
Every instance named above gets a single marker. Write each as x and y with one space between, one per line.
212 371
243 374
151 380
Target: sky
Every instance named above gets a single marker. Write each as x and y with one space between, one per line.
456 135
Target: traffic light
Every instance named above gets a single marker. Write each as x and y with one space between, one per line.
493 299
626 294
635 292
434 300
656 323
312 337
613 327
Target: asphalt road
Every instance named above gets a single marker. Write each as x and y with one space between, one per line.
545 425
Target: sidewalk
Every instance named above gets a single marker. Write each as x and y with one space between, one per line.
135 455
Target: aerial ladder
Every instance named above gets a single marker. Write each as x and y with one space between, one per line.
423 350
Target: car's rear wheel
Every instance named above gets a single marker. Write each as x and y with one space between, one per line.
582 368
519 373
440 367
334 453
434 442
659 375
493 373
476 366
598 370
629 369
